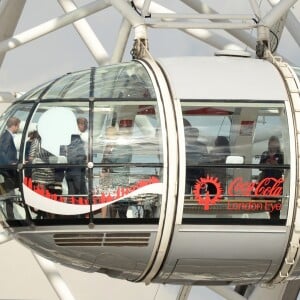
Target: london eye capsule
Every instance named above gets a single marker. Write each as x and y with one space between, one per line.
182 170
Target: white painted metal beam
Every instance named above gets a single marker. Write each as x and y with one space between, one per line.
54 278
87 34
191 25
210 38
145 9
292 23
242 36
205 16
52 25
128 13
277 12
184 292
10 12
255 8
227 293
122 40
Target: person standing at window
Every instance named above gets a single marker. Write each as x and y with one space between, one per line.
196 153
32 135
8 156
43 178
75 176
218 156
273 157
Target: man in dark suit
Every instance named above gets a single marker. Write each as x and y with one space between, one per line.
8 156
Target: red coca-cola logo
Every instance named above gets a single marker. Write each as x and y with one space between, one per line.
269 186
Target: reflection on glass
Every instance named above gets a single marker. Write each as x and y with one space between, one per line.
128 148
126 80
217 187
100 158
57 139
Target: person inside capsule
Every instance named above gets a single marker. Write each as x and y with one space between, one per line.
82 124
8 156
196 152
43 178
75 176
32 135
272 176
218 155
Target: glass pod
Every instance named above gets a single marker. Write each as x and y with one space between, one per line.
142 170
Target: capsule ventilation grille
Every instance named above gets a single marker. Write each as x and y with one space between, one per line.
115 239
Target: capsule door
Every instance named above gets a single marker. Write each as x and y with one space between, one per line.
234 193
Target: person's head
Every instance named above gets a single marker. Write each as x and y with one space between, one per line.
13 124
33 134
82 124
191 133
274 144
186 123
221 141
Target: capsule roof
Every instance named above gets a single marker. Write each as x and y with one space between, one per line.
223 78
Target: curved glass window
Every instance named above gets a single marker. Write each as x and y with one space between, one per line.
95 156
126 152
127 80
237 161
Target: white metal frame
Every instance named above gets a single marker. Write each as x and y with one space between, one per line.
161 17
